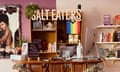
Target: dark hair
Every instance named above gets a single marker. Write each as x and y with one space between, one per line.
4 18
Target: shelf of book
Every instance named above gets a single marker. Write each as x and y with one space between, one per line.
108 35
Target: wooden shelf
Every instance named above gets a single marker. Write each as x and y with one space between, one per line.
107 26
48 55
68 43
43 30
48 52
112 58
107 42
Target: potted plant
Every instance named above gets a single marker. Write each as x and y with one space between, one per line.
21 68
30 10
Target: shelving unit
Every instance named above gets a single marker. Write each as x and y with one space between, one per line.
106 45
58 34
45 34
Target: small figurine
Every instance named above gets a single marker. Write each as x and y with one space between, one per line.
49 26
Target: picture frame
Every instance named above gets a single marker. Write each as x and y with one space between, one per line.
33 50
10 15
37 24
48 25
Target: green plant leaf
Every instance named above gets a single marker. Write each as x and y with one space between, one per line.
29 10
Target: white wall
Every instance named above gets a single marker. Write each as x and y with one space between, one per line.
93 9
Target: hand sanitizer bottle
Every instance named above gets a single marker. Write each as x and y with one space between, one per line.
79 50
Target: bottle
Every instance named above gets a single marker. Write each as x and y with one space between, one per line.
79 50
107 19
54 47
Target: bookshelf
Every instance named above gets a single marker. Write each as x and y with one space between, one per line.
57 34
105 41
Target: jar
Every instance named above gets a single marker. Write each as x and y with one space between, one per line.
107 19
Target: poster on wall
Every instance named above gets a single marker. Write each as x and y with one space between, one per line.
9 29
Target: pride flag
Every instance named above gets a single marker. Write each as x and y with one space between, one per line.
73 27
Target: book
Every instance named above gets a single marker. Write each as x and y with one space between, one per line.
33 50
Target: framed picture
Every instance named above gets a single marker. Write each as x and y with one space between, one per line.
37 24
33 50
48 25
24 49
9 28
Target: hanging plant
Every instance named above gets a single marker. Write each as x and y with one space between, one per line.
30 10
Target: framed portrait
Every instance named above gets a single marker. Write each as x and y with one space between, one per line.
13 21
9 28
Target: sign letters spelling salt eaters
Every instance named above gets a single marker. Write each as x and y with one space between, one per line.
43 14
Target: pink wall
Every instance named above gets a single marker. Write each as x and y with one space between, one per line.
24 21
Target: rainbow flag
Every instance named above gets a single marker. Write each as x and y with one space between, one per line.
73 27
69 26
